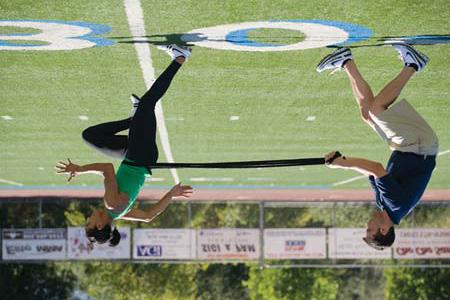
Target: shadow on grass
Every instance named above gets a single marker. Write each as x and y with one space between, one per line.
187 39
423 40
162 39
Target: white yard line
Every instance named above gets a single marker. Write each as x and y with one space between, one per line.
135 17
11 182
444 152
218 179
348 180
154 179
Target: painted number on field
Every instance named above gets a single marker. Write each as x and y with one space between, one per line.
53 35
317 33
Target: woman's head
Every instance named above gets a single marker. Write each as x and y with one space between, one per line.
98 229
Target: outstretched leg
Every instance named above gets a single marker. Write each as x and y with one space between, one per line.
103 137
342 58
160 86
414 61
391 91
142 135
361 89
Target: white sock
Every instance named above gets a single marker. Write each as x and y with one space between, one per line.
134 105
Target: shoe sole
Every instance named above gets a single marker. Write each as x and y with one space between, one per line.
328 59
173 47
419 57
182 51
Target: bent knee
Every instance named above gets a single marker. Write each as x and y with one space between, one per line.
88 135
365 116
375 109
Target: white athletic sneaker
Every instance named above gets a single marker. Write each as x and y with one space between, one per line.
134 104
410 56
335 60
176 51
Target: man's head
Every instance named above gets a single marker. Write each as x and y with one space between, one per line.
380 231
98 229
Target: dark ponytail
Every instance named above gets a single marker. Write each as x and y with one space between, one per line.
103 235
115 238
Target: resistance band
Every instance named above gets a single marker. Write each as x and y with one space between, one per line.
244 164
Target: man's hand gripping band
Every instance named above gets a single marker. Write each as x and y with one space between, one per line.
336 155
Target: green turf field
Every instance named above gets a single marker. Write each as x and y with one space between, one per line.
273 93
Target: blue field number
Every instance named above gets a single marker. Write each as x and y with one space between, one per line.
317 33
53 35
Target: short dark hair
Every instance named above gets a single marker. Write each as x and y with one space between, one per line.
103 235
381 241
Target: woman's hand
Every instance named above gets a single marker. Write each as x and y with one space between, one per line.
181 190
67 168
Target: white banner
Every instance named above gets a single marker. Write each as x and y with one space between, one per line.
307 243
348 243
419 243
78 245
31 244
230 243
163 244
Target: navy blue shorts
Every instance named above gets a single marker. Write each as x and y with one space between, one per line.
400 190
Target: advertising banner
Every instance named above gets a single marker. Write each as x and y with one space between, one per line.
420 243
348 243
230 243
79 247
305 243
34 244
164 244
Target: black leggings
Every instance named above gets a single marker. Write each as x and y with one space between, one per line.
140 144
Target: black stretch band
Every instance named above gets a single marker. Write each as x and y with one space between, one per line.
237 164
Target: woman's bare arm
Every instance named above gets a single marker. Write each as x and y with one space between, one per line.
160 206
103 169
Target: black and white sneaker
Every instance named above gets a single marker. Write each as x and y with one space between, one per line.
335 61
134 104
176 51
410 56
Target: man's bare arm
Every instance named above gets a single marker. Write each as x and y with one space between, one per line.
361 165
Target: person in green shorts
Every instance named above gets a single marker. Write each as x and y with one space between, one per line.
138 151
